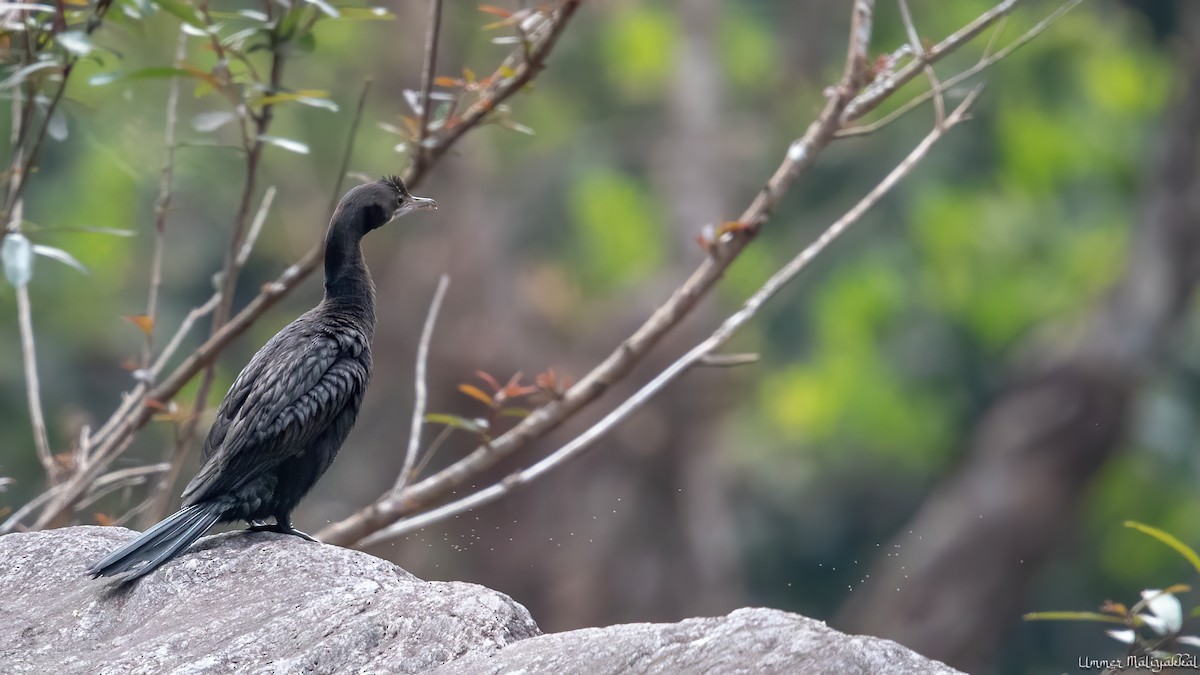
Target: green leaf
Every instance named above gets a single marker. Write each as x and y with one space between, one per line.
312 98
456 422
101 79
17 256
324 7
184 12
212 120
20 74
366 14
286 143
1072 616
1181 548
59 255
76 42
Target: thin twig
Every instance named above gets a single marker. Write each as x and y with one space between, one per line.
729 360
115 480
722 334
13 523
531 63
431 47
914 38
422 393
163 203
349 149
432 450
884 87
33 390
260 217
135 397
32 386
984 63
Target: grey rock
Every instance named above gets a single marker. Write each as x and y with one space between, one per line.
755 640
266 603
236 602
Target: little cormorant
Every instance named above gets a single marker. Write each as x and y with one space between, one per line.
290 409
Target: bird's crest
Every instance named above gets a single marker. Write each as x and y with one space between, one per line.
395 183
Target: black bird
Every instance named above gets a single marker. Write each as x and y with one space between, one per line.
290 409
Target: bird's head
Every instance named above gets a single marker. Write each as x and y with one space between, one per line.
376 204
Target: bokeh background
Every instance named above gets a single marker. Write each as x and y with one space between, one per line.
790 483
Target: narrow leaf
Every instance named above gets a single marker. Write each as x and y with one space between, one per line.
183 12
101 79
20 74
59 255
324 7
76 42
213 120
475 393
1071 616
497 11
366 14
1170 540
456 422
286 144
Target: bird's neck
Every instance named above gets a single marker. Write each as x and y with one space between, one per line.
348 284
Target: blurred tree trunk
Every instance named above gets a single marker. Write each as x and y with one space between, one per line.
989 528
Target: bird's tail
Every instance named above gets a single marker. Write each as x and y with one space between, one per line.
160 543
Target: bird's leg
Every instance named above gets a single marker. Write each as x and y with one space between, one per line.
282 525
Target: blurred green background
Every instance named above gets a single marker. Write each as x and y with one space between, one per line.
773 484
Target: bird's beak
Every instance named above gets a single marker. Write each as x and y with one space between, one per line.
422 203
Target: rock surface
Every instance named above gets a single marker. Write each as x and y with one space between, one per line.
236 603
269 603
758 641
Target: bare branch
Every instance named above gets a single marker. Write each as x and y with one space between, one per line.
349 150
722 334
431 45
418 417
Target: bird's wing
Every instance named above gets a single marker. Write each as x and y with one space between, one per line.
283 399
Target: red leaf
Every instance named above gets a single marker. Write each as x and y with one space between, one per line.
492 9
489 379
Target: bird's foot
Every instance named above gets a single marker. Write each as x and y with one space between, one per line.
286 528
